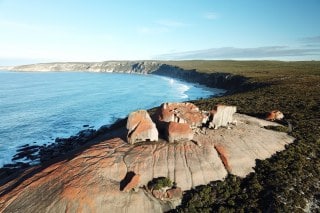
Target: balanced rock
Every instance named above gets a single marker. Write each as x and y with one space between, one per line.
180 113
179 131
274 115
141 128
221 115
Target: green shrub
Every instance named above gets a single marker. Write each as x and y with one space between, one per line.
159 183
277 128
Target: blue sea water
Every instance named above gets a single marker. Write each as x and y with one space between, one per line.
37 107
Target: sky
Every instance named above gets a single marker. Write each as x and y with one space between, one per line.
34 31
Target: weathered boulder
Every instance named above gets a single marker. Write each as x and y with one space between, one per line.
174 193
167 194
180 113
178 131
133 183
221 115
141 127
274 115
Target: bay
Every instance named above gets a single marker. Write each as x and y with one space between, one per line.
37 107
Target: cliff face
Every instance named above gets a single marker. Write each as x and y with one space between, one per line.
90 180
142 67
230 82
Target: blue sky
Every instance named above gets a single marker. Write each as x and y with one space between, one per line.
77 30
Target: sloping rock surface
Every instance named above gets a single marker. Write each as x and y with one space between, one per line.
90 180
240 146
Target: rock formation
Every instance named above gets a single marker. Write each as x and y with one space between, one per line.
174 193
92 179
141 127
274 115
180 113
178 131
169 194
221 115
239 147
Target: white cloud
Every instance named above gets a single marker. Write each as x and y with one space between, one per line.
241 53
211 15
311 40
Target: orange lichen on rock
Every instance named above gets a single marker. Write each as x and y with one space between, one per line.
180 113
179 131
274 115
223 156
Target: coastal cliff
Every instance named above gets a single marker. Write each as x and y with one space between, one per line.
142 67
223 80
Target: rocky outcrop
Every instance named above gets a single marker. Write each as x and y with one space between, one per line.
141 127
239 147
174 193
180 113
90 180
178 131
169 194
221 115
274 115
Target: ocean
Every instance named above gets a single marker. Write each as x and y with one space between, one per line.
37 107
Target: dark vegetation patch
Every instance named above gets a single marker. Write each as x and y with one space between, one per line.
289 181
278 128
159 183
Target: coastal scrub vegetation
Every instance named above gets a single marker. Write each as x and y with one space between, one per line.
159 183
289 181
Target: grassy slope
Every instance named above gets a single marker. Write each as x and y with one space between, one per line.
290 180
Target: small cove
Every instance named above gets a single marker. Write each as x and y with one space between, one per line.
37 107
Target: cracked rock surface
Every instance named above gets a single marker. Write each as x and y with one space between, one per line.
89 181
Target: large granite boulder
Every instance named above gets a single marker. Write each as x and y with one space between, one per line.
180 113
178 131
221 115
141 127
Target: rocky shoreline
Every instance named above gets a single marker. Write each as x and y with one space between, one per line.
113 138
34 154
